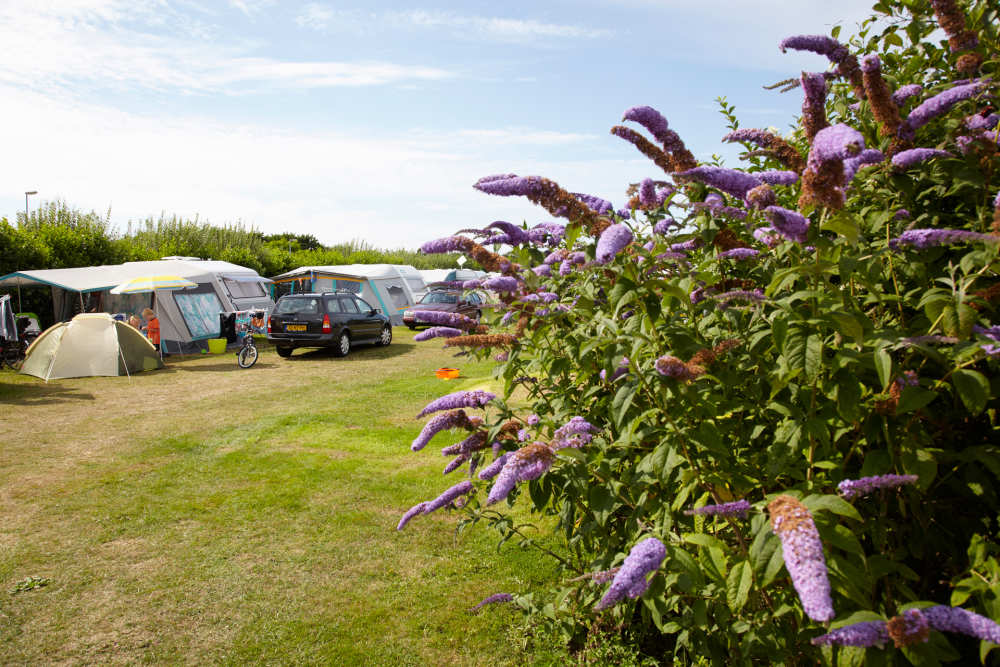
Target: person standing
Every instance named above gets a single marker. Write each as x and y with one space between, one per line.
152 327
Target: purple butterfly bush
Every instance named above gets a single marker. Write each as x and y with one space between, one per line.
778 177
509 185
929 238
790 224
750 296
684 246
665 226
954 619
473 443
501 284
980 122
731 181
546 233
410 513
739 254
835 143
454 464
647 193
613 240
447 244
914 156
621 370
864 634
515 235
496 598
438 332
934 106
533 420
446 498
738 508
543 270
528 463
819 44
802 550
471 284
672 367
493 469
866 157
768 236
630 581
856 488
436 424
475 398
577 432
904 93
651 119
596 204
453 320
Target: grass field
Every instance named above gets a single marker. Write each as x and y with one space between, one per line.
207 514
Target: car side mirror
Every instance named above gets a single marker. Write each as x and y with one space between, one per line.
373 311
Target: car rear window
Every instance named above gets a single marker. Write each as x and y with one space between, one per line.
306 305
439 297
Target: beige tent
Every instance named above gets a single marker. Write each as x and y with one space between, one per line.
90 344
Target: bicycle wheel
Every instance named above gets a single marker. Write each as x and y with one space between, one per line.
247 356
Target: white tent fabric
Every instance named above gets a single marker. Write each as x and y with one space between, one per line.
390 287
185 315
88 345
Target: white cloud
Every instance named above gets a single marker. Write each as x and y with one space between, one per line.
390 191
324 18
113 44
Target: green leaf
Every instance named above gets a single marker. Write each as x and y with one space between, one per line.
703 540
843 224
831 503
738 585
848 325
972 388
774 565
883 366
813 362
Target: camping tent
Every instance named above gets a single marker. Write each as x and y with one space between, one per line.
90 344
186 316
391 287
449 275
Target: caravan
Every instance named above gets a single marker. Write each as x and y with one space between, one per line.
187 317
390 287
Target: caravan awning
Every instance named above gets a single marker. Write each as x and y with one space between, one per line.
245 278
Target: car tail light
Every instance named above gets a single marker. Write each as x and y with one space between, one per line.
269 325
326 324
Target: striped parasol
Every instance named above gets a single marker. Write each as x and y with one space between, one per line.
151 283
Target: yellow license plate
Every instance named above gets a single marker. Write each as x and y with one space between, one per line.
295 327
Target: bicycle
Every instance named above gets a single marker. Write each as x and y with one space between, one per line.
12 350
247 356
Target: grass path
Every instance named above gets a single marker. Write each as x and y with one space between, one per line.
207 514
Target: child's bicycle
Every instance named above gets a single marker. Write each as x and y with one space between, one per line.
247 356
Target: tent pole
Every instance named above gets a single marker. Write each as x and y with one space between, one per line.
20 308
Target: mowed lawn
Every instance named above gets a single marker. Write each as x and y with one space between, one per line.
207 514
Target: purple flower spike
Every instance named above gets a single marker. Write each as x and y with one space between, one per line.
738 508
447 244
515 235
454 464
501 284
496 598
928 238
790 224
664 226
491 471
613 240
753 297
630 580
953 619
651 119
546 233
803 553
865 157
596 204
509 185
768 236
410 513
438 332
739 254
647 192
819 44
730 181
543 270
905 92
476 398
933 107
837 142
436 425
856 488
865 634
576 433
778 177
471 284
914 156
529 462
460 489
454 320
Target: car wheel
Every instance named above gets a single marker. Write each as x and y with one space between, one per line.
386 336
343 345
284 351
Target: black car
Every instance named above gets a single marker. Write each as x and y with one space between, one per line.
329 319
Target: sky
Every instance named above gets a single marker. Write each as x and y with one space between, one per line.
371 120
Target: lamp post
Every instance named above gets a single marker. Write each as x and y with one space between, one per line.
28 192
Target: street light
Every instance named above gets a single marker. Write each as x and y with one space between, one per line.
28 192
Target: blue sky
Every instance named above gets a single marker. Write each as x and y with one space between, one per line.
371 121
